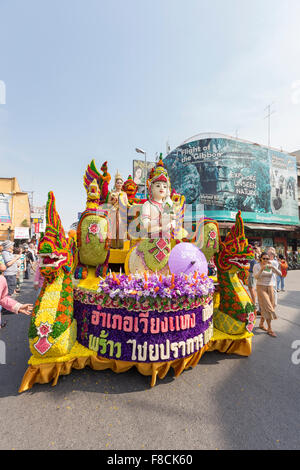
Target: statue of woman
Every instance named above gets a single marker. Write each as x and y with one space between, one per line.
116 231
157 214
158 220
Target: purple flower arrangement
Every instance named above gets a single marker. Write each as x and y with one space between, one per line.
156 286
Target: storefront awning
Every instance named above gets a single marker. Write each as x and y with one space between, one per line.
226 224
275 228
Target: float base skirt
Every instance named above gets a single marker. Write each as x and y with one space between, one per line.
46 372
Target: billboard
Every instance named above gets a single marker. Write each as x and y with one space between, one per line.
227 175
4 208
141 171
21 233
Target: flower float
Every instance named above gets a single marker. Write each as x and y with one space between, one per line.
146 317
154 317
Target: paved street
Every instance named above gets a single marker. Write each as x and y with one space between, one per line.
225 402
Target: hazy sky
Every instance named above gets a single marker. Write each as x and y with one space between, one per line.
95 79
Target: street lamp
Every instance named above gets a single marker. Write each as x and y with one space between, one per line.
138 150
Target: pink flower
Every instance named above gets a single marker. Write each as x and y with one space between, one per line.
249 327
94 228
212 235
44 329
251 317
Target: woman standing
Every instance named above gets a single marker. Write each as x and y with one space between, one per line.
263 272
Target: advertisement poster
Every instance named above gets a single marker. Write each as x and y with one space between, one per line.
141 172
4 208
227 175
21 233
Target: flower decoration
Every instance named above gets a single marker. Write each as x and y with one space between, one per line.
43 345
94 228
44 329
212 236
152 286
250 323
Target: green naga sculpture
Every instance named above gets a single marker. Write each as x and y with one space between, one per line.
233 308
235 314
92 230
207 237
53 329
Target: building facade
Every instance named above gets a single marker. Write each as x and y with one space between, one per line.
15 217
223 175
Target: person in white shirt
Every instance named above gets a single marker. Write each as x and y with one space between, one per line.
273 260
263 273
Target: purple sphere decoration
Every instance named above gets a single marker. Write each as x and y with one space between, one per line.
186 258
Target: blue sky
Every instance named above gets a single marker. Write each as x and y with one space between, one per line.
95 79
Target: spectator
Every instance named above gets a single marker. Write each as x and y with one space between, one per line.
2 264
251 279
273 260
22 266
29 261
212 270
263 273
32 249
10 304
38 279
2 269
11 265
18 251
283 266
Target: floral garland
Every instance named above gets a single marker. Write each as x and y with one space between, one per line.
154 285
150 292
64 312
87 297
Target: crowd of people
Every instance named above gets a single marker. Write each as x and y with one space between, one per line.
16 264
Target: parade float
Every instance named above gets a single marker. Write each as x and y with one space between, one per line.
160 310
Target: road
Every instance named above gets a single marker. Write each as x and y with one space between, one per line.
225 402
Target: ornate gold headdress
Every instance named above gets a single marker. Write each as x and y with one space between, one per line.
118 176
158 173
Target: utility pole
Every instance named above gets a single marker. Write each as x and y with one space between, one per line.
268 116
30 198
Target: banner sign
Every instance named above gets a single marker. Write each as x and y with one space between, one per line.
140 172
150 336
227 175
21 233
4 208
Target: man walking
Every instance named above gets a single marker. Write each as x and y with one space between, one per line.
29 261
